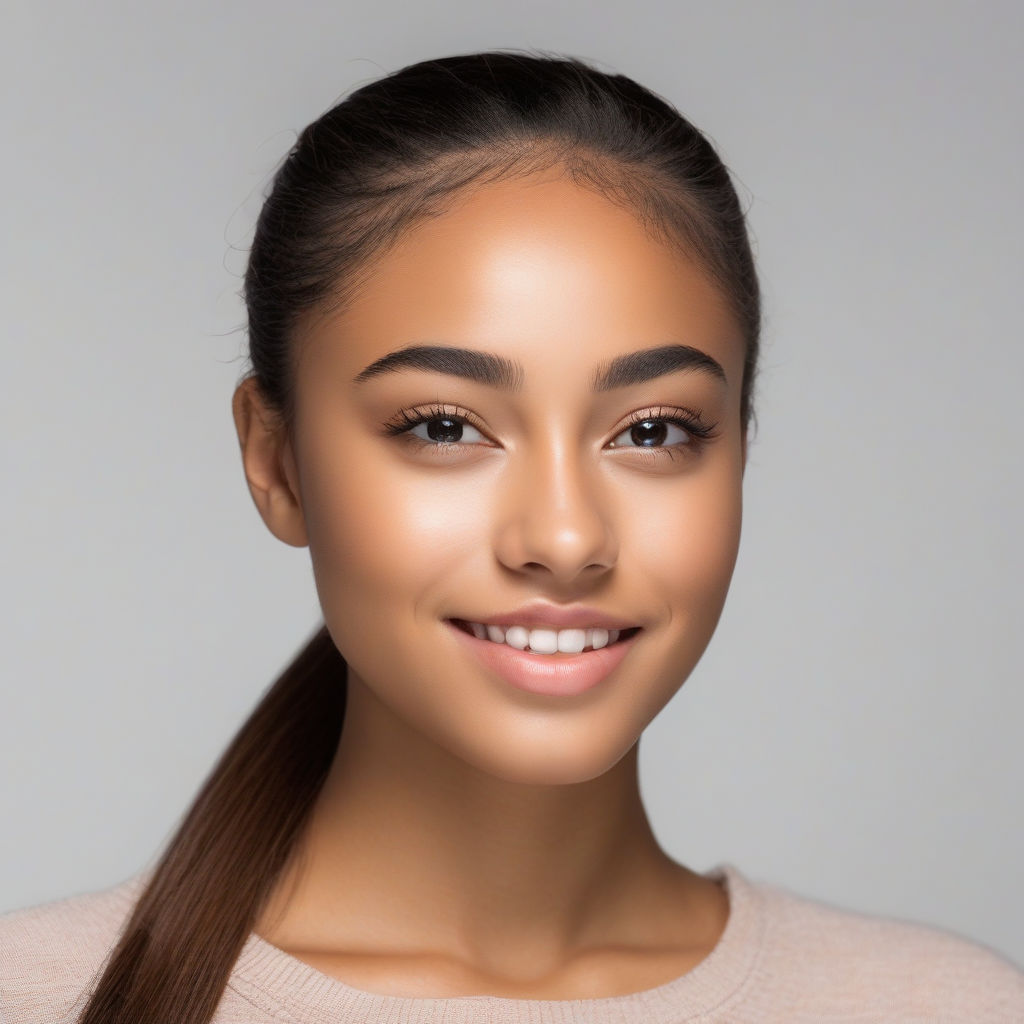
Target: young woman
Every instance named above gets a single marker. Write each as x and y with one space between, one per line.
503 320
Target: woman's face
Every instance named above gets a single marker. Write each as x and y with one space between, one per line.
539 491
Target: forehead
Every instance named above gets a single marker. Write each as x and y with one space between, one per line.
540 269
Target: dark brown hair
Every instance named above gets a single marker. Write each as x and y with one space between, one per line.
393 152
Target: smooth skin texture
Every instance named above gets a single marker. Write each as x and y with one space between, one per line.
473 838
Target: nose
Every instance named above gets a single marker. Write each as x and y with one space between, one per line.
555 520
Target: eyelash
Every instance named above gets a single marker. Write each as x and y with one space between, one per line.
687 420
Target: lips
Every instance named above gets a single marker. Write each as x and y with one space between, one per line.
620 634
545 615
552 675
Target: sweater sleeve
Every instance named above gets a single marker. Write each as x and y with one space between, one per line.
824 963
50 954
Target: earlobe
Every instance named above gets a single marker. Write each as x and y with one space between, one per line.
268 466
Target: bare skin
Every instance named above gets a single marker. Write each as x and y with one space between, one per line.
473 838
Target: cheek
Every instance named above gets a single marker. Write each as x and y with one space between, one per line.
696 526
688 553
382 533
688 544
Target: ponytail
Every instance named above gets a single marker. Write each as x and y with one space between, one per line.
189 924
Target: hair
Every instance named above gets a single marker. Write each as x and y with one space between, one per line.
395 151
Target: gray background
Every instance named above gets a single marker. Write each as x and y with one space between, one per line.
854 730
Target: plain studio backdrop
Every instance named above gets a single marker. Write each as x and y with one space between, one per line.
854 730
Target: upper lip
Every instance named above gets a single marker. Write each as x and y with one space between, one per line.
538 614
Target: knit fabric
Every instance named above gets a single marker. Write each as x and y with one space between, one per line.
781 958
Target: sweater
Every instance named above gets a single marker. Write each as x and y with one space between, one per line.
781 958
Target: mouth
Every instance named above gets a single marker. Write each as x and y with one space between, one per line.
561 673
521 642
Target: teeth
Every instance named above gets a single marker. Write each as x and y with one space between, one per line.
546 641
517 637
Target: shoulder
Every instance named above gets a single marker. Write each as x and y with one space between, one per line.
831 962
50 953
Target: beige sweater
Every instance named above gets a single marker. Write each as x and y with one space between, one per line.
781 958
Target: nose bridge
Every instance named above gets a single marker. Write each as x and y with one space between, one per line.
557 514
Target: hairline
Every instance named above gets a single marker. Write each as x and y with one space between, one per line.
508 163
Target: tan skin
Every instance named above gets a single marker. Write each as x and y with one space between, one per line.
473 838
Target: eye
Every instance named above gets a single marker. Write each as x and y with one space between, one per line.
664 430
446 430
436 427
652 432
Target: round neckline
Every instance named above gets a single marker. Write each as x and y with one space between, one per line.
279 983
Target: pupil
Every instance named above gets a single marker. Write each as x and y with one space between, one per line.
453 428
659 428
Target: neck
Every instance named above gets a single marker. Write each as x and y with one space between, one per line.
411 848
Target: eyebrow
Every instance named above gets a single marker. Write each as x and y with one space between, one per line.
508 375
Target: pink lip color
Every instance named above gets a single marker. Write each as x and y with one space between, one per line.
556 675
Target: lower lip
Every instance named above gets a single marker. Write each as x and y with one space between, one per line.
554 675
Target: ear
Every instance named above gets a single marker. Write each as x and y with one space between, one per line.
269 464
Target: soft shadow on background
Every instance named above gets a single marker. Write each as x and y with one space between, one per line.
853 733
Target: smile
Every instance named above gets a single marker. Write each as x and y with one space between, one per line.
556 674
540 640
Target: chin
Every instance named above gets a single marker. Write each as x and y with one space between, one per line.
549 760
